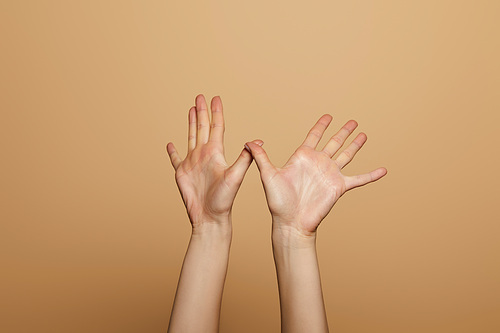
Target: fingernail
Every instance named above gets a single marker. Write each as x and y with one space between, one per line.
260 143
247 148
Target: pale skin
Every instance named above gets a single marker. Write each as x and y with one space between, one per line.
208 186
300 195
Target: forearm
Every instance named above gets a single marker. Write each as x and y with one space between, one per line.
299 282
199 292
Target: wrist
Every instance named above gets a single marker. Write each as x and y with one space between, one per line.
220 229
290 237
292 249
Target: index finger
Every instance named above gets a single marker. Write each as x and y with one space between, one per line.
316 132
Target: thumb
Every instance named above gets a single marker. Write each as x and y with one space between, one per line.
237 171
260 157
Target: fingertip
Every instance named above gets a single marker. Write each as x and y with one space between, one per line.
258 142
327 117
218 99
248 147
380 172
249 143
361 139
192 114
170 148
351 125
216 104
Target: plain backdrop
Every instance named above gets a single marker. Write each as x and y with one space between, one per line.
93 230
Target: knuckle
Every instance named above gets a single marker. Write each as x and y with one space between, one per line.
346 130
356 145
315 133
324 123
337 139
302 153
327 153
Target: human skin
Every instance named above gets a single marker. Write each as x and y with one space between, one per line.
300 195
208 186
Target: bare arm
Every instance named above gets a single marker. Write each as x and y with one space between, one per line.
208 187
300 195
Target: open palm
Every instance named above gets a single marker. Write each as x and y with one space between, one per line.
304 190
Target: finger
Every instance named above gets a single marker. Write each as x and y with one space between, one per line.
348 154
174 156
192 129
316 132
203 123
217 126
260 157
338 139
237 171
360 180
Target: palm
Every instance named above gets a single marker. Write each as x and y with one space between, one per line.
202 183
302 193
306 188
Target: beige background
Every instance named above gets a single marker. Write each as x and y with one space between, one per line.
93 230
